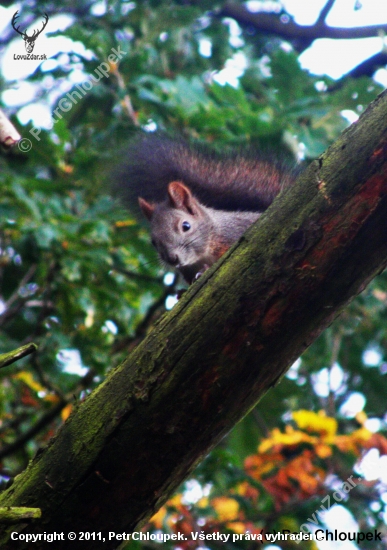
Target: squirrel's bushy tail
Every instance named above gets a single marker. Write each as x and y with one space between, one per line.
224 181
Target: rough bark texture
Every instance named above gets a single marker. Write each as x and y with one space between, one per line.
208 361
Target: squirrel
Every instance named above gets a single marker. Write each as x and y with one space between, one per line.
197 201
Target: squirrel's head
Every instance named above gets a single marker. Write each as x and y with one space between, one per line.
180 228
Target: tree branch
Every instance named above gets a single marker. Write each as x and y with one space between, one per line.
230 339
17 515
369 66
301 35
12 356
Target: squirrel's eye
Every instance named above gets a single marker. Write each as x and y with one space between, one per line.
186 226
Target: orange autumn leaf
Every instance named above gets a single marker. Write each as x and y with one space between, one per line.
353 442
257 466
302 470
299 479
322 450
379 442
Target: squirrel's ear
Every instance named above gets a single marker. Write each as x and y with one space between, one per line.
146 208
181 197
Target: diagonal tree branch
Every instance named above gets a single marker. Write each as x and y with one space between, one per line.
13 356
228 341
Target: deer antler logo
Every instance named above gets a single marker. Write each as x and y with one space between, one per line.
29 41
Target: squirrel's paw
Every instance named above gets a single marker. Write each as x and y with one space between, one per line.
200 273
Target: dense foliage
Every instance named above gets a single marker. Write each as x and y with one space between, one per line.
80 279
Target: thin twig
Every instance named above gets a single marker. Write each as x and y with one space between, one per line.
23 282
126 101
13 356
325 11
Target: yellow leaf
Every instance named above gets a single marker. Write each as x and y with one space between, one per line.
316 422
28 379
291 437
361 417
226 508
175 501
203 502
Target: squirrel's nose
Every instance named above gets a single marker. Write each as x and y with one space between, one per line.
173 259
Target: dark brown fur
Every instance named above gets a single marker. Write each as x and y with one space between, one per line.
229 181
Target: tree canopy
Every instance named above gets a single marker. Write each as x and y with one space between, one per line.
80 279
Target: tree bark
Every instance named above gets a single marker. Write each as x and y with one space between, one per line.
227 342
